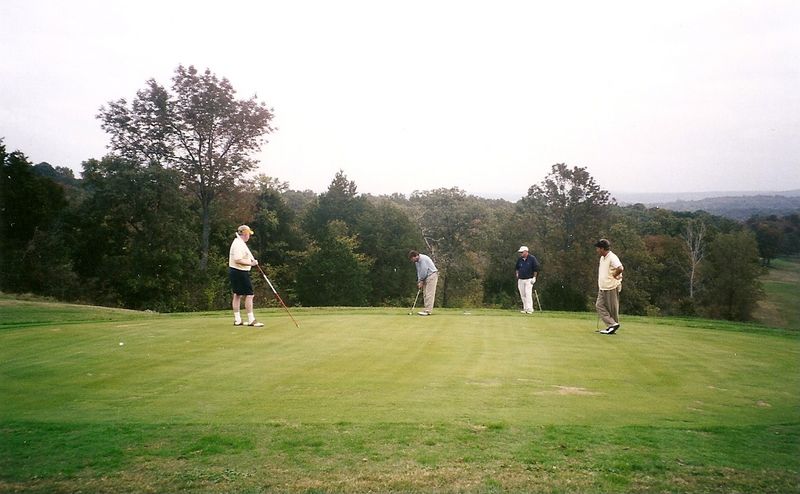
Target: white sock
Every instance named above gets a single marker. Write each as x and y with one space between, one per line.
250 317
237 316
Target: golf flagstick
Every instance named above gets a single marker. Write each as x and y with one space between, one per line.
276 295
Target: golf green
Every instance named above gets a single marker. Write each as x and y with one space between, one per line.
395 381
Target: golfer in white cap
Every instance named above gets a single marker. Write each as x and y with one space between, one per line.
526 270
240 260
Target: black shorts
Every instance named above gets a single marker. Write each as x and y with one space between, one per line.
240 281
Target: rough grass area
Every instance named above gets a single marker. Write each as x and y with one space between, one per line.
779 308
375 400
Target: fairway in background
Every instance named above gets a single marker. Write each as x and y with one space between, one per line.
780 306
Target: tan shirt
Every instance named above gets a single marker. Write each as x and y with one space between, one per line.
605 281
239 256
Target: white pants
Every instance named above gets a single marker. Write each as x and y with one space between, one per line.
526 294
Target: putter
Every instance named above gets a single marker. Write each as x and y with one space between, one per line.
276 295
537 300
415 302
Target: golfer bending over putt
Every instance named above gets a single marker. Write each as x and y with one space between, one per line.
427 277
609 281
240 260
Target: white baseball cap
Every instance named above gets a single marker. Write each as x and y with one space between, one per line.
523 249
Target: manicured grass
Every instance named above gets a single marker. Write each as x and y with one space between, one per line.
779 308
376 400
18 312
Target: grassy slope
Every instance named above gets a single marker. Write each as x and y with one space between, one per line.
782 295
18 312
378 400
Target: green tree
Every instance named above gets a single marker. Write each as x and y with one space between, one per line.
340 203
29 204
640 276
381 231
729 277
769 234
670 278
200 129
567 213
136 225
48 261
279 242
505 231
59 174
277 225
452 224
334 273
385 235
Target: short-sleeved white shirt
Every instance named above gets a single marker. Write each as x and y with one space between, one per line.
239 256
605 281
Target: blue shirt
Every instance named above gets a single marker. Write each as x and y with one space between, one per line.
424 267
527 268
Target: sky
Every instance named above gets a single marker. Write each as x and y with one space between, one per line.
679 96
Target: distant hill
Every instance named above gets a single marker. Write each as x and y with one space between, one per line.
739 207
648 198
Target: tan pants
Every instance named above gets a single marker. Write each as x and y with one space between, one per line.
607 306
430 290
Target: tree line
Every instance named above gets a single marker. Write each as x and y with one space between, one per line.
130 235
149 225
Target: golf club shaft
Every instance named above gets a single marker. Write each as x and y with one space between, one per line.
415 301
280 300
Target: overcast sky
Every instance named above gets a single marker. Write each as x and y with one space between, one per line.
414 95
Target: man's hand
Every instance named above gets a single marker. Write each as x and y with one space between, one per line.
254 263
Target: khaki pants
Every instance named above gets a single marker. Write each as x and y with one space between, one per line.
430 290
607 306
